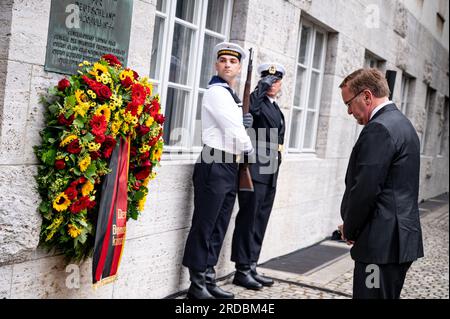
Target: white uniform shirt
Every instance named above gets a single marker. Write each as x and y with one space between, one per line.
222 126
379 107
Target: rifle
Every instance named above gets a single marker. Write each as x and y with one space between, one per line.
245 179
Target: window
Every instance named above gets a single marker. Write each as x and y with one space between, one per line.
443 128
182 63
308 87
373 61
406 93
431 93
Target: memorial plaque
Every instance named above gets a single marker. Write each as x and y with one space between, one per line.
86 30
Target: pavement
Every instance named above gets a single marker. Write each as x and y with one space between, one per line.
325 270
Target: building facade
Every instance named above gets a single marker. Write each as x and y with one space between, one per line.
318 41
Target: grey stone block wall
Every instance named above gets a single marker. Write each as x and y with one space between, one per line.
306 208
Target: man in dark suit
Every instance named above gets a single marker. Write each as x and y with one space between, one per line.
255 207
380 204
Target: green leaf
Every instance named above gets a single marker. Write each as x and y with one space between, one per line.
139 195
54 109
79 122
70 101
90 171
87 138
48 157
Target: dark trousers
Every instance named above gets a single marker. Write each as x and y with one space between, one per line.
215 186
251 223
391 279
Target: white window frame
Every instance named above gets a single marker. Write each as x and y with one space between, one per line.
304 98
192 87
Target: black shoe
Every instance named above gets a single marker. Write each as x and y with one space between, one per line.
244 278
213 289
263 280
197 289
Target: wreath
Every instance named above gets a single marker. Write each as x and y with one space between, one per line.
86 115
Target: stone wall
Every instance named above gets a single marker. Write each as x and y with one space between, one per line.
306 208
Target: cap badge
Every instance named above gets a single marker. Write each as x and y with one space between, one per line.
272 69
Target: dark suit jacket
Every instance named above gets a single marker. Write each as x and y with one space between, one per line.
266 115
380 203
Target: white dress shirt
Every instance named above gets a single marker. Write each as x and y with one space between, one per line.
222 126
379 107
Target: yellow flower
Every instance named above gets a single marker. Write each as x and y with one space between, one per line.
98 70
84 163
104 110
54 227
61 202
91 94
125 128
81 97
141 204
144 148
81 109
94 146
115 126
146 181
126 73
98 78
149 121
86 62
67 140
157 154
87 188
73 231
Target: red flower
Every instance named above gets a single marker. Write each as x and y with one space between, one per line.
71 192
133 151
155 105
142 173
63 121
99 138
79 181
111 59
144 156
127 82
146 164
132 108
138 94
137 185
159 118
103 92
142 130
63 84
95 155
60 164
135 75
74 147
98 124
76 207
108 146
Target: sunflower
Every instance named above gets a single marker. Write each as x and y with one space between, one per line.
61 202
73 231
67 140
81 97
98 70
104 110
87 188
157 154
84 163
94 146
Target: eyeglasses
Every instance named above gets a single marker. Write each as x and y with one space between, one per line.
348 103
